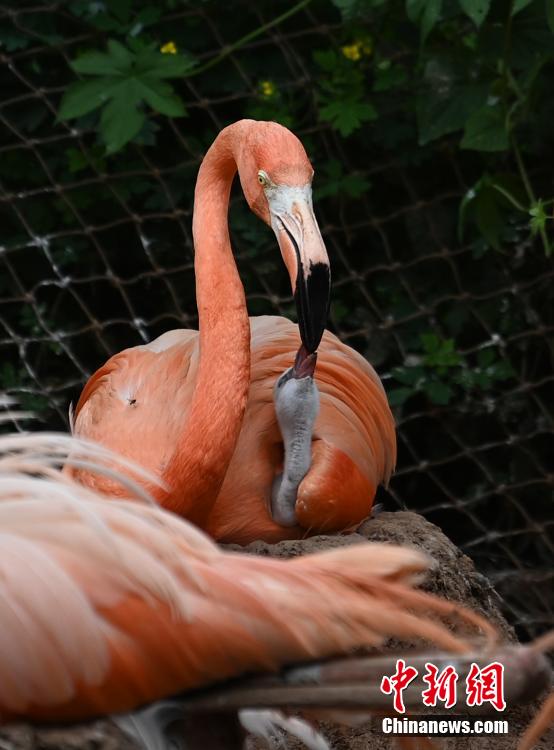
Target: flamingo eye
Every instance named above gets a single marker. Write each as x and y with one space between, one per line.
263 179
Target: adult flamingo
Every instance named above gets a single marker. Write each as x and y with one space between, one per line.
152 607
176 406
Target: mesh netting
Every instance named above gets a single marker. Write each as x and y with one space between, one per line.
96 256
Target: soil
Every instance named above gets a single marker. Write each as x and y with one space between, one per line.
453 577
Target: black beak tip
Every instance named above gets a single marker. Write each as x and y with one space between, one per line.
312 340
312 303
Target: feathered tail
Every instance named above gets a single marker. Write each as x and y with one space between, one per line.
106 605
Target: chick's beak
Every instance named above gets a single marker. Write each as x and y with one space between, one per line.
304 364
306 258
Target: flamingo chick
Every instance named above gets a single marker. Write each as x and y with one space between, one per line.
296 406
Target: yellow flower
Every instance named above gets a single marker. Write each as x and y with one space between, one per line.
358 48
267 89
352 51
169 48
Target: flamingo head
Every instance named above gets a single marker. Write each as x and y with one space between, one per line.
276 177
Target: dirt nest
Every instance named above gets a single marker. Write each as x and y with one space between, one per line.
453 577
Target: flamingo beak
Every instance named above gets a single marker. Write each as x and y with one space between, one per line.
305 255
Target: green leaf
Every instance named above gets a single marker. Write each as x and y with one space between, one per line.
106 23
446 103
346 7
430 17
430 341
326 59
120 54
125 78
121 9
521 4
121 121
77 160
335 182
439 353
163 66
488 203
425 13
95 63
550 14
486 131
414 9
84 96
389 77
161 97
468 379
538 217
398 396
117 60
347 116
438 392
139 59
408 375
148 16
477 10
355 185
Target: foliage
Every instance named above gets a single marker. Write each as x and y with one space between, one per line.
440 368
335 181
341 97
476 73
123 79
398 76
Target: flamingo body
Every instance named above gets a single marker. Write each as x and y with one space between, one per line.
177 406
137 402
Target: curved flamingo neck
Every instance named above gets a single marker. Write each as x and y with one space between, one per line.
196 472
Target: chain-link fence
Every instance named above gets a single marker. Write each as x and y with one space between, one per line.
96 256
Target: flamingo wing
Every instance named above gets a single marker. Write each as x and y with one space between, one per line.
354 444
106 606
136 404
